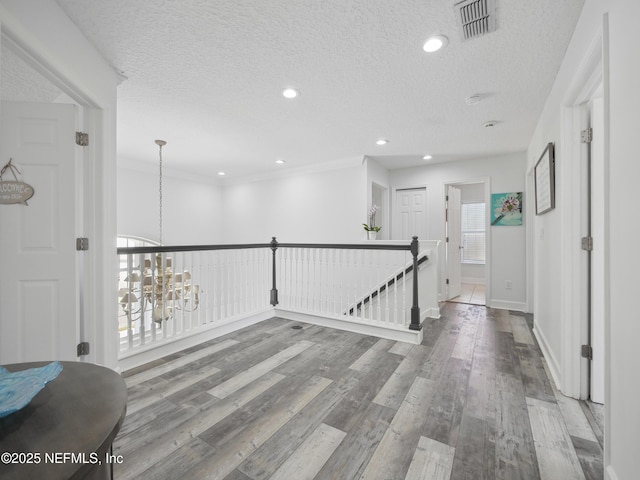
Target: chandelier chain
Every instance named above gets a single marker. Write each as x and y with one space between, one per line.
160 143
160 194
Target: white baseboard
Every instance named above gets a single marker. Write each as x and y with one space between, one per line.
157 350
207 332
473 280
431 313
504 305
552 361
399 334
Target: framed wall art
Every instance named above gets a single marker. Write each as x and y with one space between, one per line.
506 209
544 176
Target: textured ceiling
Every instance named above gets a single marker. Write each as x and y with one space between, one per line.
21 83
206 76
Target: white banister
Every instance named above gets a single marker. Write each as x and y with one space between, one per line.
169 293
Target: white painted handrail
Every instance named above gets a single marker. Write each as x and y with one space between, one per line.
167 293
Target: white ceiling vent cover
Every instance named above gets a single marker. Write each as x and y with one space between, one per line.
476 17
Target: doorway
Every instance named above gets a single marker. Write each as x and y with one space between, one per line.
37 133
49 296
379 197
466 242
68 63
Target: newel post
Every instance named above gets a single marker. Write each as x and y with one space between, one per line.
274 290
415 309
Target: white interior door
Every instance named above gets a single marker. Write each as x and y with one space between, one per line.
454 242
39 282
598 253
410 214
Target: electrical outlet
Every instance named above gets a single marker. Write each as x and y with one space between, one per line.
507 285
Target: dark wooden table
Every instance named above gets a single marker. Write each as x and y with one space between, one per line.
67 430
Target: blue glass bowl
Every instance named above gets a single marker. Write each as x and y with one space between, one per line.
17 389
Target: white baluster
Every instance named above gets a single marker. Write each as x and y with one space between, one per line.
380 278
403 317
219 285
288 277
324 302
130 303
307 263
314 279
387 291
339 282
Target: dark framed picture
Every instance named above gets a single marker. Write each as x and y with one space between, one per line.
544 175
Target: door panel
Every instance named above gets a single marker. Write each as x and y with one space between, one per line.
410 214
39 298
454 243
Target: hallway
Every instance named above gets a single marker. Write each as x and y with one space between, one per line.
472 401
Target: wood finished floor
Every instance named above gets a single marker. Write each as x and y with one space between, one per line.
472 293
473 401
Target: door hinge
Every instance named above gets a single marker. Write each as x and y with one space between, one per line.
586 243
83 349
82 244
82 139
447 240
447 281
586 135
587 352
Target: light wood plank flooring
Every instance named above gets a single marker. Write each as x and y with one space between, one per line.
473 401
471 293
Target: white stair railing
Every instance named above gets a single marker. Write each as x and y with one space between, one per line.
167 293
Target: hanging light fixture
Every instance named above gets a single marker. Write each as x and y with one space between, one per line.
160 143
155 288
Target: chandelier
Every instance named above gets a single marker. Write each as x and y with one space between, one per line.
153 288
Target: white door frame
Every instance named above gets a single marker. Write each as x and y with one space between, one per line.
50 43
386 230
573 376
453 241
487 200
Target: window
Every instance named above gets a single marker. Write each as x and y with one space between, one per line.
131 241
473 232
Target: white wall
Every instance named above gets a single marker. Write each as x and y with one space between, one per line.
324 206
507 258
192 210
618 19
623 419
558 265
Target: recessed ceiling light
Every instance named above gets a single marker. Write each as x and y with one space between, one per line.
280 161
222 174
435 43
427 157
382 141
290 93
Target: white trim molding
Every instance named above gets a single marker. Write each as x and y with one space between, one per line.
552 361
505 305
381 330
173 345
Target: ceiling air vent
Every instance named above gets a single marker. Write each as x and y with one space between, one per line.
476 17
